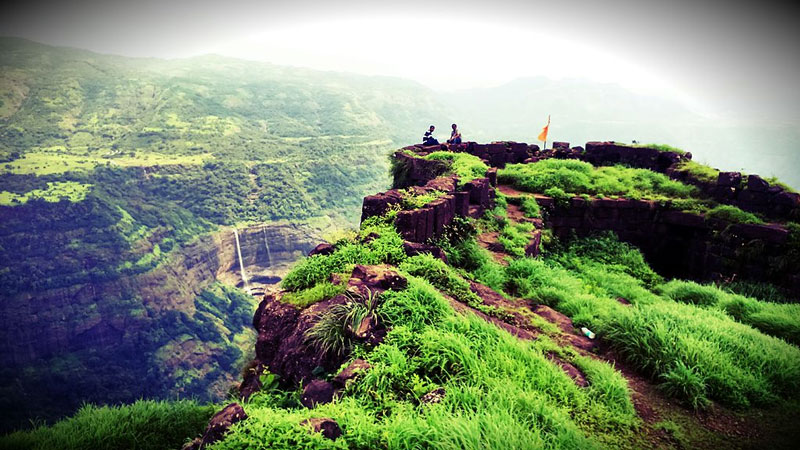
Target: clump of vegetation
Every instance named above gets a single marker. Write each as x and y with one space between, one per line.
335 328
467 167
578 177
321 291
442 276
700 172
530 207
515 237
774 181
414 200
386 248
733 214
776 319
145 424
558 195
496 218
660 147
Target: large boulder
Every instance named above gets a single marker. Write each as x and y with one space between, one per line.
757 184
322 249
375 279
218 426
328 427
282 345
729 179
318 392
350 373
415 248
378 204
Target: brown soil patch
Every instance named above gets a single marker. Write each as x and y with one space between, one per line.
510 191
573 372
513 329
488 241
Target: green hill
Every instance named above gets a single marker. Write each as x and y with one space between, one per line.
117 175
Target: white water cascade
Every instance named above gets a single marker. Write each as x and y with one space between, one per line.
241 262
266 244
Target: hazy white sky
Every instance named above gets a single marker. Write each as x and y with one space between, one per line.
725 56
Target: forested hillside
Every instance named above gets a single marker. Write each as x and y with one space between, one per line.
113 169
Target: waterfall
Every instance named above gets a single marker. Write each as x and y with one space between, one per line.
266 244
241 262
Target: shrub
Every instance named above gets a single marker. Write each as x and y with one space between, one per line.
334 328
733 214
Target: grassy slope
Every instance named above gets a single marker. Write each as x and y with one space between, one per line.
503 392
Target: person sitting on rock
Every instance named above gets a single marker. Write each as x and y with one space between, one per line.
455 135
428 138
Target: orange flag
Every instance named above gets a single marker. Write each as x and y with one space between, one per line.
543 134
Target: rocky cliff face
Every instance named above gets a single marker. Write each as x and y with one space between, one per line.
87 335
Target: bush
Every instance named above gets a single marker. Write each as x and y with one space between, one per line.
733 214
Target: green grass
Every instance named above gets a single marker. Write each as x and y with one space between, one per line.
699 171
467 167
530 207
659 147
70 190
442 276
733 214
321 291
500 392
774 181
776 319
577 177
515 237
144 425
696 353
58 161
387 248
412 200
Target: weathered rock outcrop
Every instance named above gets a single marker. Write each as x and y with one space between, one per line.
421 224
679 243
282 346
218 426
751 193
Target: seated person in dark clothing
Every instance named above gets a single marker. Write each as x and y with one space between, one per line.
455 136
428 138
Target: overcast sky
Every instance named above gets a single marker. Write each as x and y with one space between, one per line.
729 57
